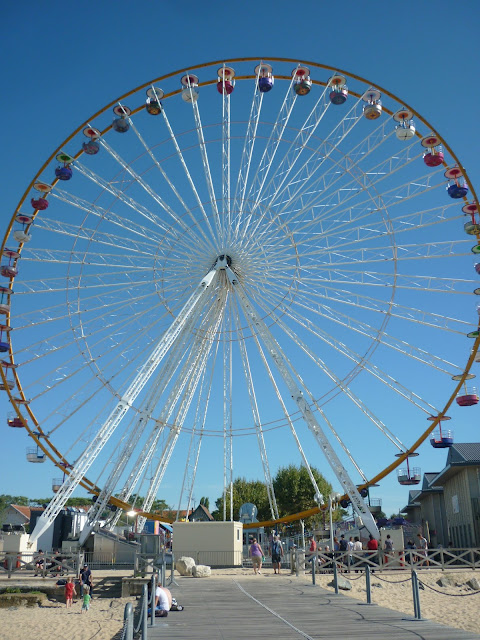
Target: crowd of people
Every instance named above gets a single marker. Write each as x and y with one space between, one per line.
351 552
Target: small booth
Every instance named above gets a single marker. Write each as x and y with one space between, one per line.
216 544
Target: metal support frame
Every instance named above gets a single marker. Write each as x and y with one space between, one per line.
297 395
95 447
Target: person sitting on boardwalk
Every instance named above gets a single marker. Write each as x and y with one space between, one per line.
277 553
69 592
256 554
163 601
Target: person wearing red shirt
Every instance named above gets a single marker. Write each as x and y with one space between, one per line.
69 592
372 546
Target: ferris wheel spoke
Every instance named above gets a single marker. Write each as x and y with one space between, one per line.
206 164
398 195
149 236
339 383
256 188
286 414
395 310
361 180
295 384
365 228
58 312
301 186
256 419
130 202
365 365
208 242
92 362
388 199
147 188
247 154
196 438
93 258
50 346
311 167
227 420
81 232
401 281
187 174
377 334
275 186
167 372
98 281
400 253
194 376
226 197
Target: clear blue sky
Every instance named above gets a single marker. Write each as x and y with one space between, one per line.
62 62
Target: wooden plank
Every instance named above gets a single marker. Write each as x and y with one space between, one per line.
256 607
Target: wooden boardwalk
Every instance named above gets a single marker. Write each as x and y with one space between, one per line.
262 607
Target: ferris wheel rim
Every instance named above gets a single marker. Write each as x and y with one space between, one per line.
38 439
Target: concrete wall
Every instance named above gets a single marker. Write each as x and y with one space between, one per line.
212 543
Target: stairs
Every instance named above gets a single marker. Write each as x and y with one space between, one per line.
109 587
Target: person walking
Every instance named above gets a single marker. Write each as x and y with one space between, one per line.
86 599
312 550
256 555
423 549
388 548
357 549
350 547
69 592
277 553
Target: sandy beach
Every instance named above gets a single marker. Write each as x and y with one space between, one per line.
447 605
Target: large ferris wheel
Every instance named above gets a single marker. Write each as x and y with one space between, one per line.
252 256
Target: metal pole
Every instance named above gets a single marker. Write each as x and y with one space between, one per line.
296 561
416 596
368 585
152 601
128 618
172 573
144 613
314 562
335 574
164 569
331 523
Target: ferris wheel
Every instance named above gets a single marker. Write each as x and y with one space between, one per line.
236 262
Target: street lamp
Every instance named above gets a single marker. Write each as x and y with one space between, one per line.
132 514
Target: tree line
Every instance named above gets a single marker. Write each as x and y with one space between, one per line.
293 489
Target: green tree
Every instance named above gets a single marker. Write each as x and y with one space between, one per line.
205 502
294 490
245 491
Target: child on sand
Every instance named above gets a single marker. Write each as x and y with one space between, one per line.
69 592
86 599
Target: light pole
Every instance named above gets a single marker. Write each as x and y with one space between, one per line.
133 514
